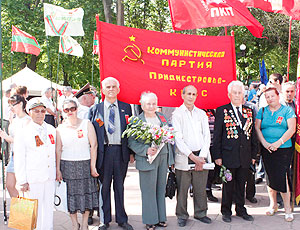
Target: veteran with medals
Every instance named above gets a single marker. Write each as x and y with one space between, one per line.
109 119
235 147
34 150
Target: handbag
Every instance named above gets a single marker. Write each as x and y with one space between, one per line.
23 213
171 184
60 199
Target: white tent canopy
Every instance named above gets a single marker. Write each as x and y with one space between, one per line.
34 82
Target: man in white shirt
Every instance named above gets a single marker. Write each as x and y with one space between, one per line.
192 149
34 155
50 108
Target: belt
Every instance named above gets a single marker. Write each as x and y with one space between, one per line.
109 145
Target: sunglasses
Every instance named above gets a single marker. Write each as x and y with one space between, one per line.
72 109
39 111
15 103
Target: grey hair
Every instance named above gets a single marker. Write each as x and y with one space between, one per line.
146 95
47 90
235 83
103 83
67 101
288 84
68 88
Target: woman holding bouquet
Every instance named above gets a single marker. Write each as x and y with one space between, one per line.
152 175
275 125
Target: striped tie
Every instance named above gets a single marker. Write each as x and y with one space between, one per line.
111 119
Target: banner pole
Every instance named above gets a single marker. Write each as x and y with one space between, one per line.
2 142
289 49
93 70
49 63
11 63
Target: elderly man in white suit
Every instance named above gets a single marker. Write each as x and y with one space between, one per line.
34 155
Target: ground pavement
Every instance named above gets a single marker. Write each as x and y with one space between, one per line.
134 209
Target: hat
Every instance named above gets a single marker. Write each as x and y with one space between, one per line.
84 90
33 103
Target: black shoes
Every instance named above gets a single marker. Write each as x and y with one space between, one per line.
252 200
103 227
258 180
211 197
90 220
204 219
181 222
126 226
246 217
226 218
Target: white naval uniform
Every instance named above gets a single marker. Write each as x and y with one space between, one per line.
35 165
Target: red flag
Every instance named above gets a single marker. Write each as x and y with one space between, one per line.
195 14
165 63
24 42
95 44
297 146
287 7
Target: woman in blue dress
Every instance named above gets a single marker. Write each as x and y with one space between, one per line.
275 125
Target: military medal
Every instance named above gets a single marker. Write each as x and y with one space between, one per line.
80 133
100 122
38 141
51 139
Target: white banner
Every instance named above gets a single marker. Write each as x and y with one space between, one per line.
59 21
70 46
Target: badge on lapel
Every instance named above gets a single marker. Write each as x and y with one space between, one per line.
100 122
162 118
38 141
80 133
127 118
51 139
279 120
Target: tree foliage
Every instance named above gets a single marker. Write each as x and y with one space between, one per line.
146 14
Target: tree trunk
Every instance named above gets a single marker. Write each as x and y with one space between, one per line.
33 61
107 10
120 13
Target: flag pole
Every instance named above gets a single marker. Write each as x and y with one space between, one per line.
289 49
2 143
11 63
49 63
93 70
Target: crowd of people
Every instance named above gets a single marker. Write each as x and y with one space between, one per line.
87 151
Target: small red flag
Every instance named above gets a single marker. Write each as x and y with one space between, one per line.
95 44
24 42
194 14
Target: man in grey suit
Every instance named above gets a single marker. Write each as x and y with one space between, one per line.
192 148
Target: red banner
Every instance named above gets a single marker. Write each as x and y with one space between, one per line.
297 146
194 14
164 63
287 7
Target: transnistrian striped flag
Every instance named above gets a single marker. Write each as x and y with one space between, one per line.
95 44
24 42
70 46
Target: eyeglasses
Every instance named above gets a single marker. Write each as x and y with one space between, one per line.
72 109
39 111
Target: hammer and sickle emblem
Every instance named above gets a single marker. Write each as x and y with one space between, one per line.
138 57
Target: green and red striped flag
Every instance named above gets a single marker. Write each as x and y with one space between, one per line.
70 46
95 44
24 42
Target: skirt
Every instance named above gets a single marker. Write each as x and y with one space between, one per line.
277 166
82 194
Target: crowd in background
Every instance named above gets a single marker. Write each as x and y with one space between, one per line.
252 136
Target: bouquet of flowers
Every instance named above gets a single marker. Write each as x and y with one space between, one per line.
225 174
149 133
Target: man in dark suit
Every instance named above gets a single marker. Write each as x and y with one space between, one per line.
110 119
234 146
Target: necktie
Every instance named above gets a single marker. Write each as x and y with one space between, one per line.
111 119
242 119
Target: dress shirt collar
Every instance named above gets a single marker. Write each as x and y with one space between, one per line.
37 126
186 109
235 108
107 104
